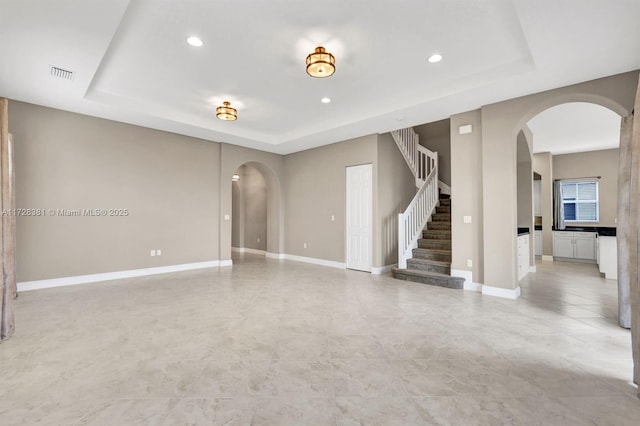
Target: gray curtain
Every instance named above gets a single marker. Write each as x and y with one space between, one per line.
558 207
7 200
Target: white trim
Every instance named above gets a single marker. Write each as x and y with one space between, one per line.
546 258
107 276
383 269
444 188
224 263
248 250
275 255
322 262
533 268
468 280
501 292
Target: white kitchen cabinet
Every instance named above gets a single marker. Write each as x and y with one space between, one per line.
537 243
574 245
608 257
523 255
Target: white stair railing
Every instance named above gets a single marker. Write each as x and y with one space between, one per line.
424 165
419 158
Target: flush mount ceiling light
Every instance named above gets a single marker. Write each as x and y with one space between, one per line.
194 41
325 100
321 63
435 58
235 177
226 113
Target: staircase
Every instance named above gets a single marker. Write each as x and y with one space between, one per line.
431 261
424 247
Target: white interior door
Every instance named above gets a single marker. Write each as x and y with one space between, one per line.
359 217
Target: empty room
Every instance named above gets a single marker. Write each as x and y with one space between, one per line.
422 212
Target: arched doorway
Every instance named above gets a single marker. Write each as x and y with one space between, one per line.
255 207
249 195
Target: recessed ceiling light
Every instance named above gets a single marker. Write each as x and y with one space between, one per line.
401 118
325 100
195 41
435 58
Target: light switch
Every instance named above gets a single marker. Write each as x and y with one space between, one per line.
227 217
333 218
469 263
466 129
466 219
153 253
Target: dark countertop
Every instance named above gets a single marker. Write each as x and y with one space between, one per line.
523 231
538 227
603 231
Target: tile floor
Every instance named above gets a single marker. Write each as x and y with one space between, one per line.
278 343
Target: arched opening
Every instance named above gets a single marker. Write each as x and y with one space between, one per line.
256 211
575 147
249 211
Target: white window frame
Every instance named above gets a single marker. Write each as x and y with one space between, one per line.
576 201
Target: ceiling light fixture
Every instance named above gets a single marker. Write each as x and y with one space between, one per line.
321 63
235 177
194 41
325 100
435 58
226 113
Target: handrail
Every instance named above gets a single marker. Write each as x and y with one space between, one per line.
424 166
415 217
419 159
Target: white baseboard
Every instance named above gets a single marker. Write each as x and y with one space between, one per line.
468 278
108 276
501 292
224 263
546 258
533 268
275 255
248 250
383 269
315 261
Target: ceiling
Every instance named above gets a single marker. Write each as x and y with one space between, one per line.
575 127
131 61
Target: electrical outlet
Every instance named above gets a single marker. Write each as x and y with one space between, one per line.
466 219
304 245
333 218
158 252
258 239
153 253
469 263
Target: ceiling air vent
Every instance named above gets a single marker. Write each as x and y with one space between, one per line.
61 73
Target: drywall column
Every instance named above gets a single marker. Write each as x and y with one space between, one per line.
466 196
543 165
7 267
622 228
500 206
634 230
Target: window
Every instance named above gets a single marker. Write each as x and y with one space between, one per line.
580 201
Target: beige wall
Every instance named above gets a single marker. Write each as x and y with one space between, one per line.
169 184
466 195
437 137
271 166
500 124
314 187
543 165
595 163
396 189
249 219
525 184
